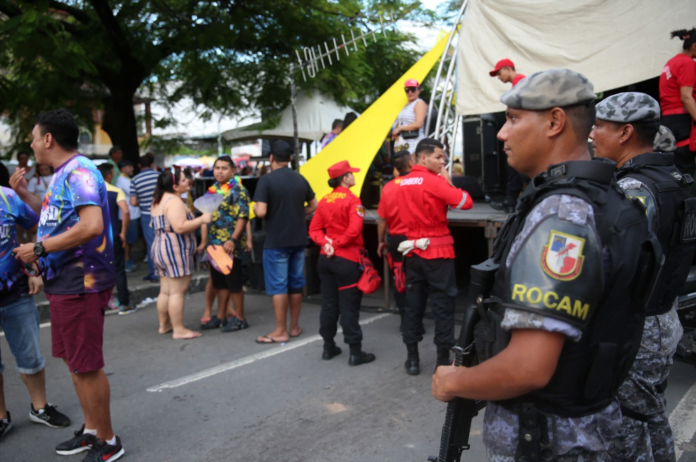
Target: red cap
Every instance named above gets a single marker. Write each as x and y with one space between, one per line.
501 64
340 169
411 83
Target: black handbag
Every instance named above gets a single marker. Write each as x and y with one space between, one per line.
409 135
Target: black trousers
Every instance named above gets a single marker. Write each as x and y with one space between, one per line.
434 278
334 273
394 241
684 160
120 263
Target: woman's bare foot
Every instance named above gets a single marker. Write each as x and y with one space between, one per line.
165 329
187 334
296 332
271 338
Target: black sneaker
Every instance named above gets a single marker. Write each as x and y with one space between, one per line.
104 452
5 425
49 416
234 324
79 443
213 323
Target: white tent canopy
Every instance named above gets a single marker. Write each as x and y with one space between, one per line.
315 114
612 42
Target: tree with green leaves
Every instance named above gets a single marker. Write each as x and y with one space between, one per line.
231 56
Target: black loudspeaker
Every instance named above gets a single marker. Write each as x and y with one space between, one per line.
481 159
471 185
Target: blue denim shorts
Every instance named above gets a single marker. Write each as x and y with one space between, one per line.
20 322
283 270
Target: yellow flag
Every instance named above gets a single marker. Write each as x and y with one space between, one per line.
359 143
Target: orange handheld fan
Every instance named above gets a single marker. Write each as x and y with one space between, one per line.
221 260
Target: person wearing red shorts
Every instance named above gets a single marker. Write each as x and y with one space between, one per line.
75 253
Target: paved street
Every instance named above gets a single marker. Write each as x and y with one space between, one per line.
222 397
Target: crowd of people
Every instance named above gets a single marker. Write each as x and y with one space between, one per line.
574 328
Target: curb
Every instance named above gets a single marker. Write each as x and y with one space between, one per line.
137 294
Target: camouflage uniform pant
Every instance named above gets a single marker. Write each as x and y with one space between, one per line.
584 456
652 440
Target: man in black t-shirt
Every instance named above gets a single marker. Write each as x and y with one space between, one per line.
280 200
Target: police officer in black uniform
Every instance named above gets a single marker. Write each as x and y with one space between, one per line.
624 132
559 329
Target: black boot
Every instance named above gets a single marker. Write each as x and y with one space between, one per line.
443 358
330 350
412 363
358 357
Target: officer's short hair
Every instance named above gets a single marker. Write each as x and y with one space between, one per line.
427 146
400 161
582 118
646 131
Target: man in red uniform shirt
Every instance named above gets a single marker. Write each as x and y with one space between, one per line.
423 199
389 217
506 73
677 103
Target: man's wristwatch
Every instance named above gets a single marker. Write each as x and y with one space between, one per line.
39 250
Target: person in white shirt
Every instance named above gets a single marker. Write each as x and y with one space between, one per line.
124 182
23 160
39 184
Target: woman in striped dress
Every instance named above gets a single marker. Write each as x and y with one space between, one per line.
411 120
172 250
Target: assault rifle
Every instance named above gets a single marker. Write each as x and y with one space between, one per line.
461 411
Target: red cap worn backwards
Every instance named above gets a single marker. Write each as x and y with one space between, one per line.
411 83
340 169
501 64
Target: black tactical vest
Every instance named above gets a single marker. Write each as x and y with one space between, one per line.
589 371
676 212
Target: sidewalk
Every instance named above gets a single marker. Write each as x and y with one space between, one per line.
138 288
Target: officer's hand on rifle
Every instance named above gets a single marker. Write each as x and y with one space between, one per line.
443 374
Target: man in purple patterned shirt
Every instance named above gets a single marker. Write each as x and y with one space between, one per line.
75 252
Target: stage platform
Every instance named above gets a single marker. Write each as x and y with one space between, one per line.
481 215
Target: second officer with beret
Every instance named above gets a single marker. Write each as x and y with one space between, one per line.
337 228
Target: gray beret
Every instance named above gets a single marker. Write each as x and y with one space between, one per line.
549 89
624 108
664 140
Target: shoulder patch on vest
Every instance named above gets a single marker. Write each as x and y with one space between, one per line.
360 210
557 271
562 257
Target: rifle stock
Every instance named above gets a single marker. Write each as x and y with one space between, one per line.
461 411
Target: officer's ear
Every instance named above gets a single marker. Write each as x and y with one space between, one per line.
627 133
557 121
